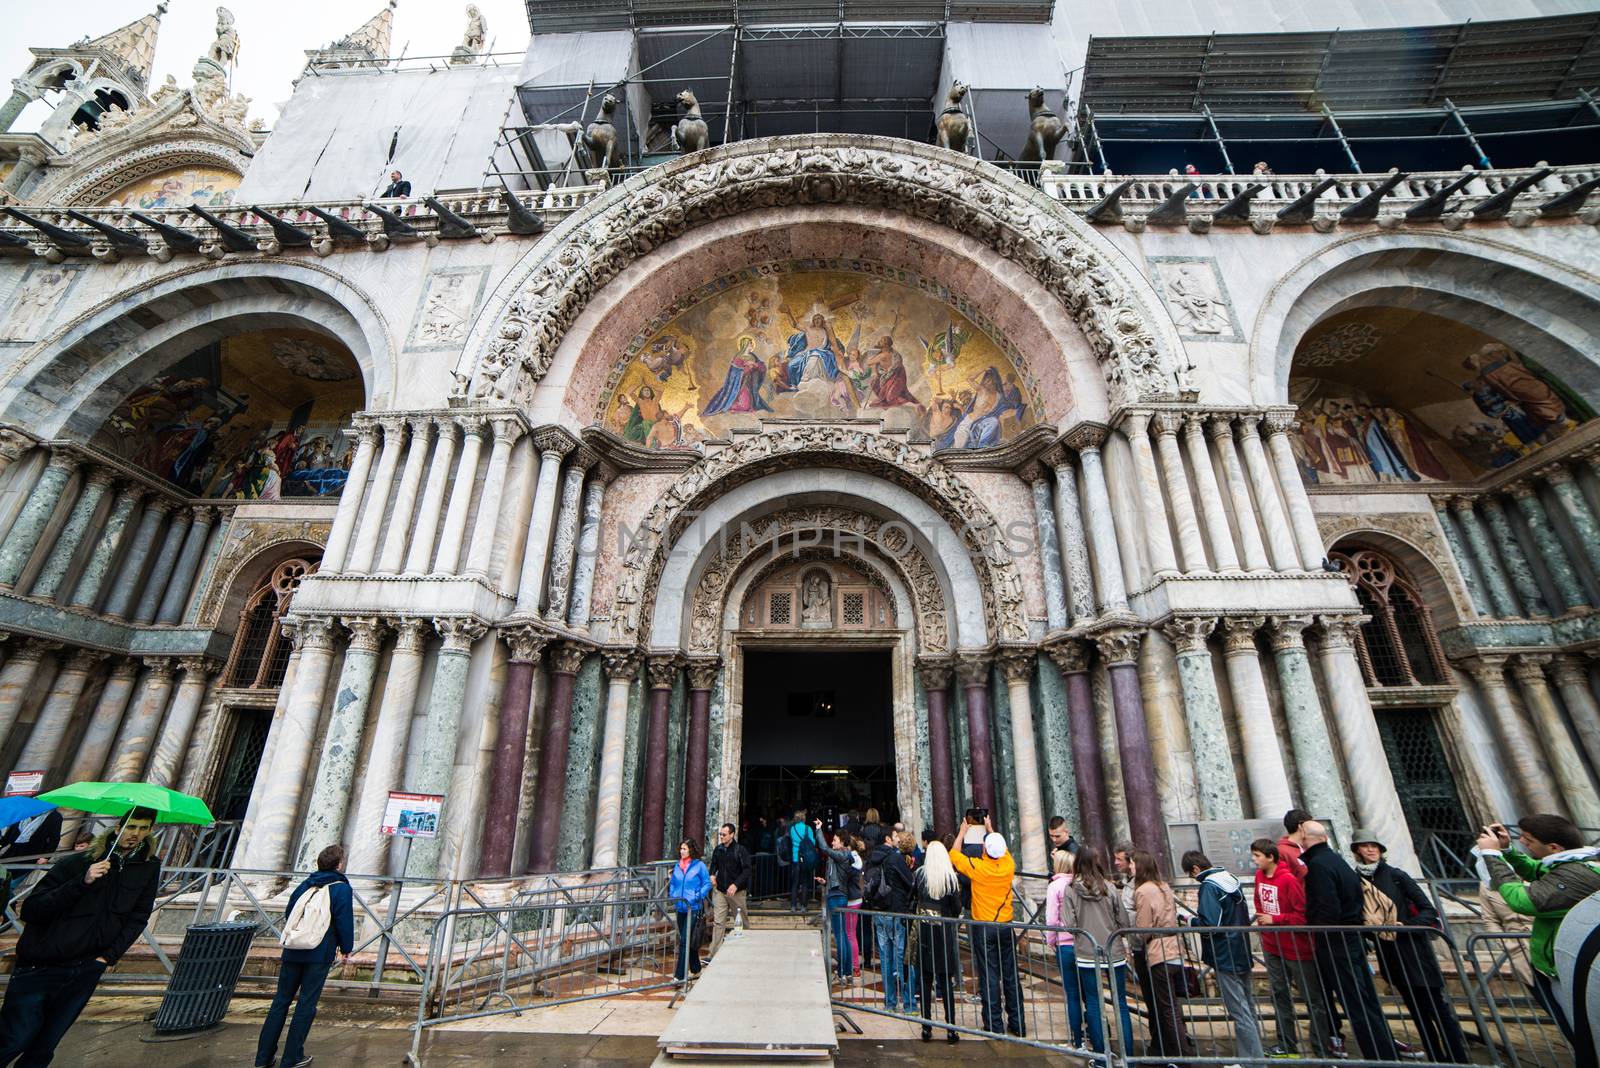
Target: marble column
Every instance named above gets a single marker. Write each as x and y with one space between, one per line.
1016 668
1519 750
166 562
1072 660
43 747
621 666
86 591
1465 565
552 446
550 788
355 488
1076 573
697 763
510 751
1215 781
1190 545
71 535
662 672
1317 771
1366 767
290 632
391 558
1551 551
1055 587
419 558
973 671
386 757
29 526
441 730
506 432
123 588
278 812
588 548
568 516
22 94
1572 679
142 724
1244 509
1211 503
1517 565
183 575
1584 525
1120 651
1157 535
1302 521
1572 778
90 760
935 675
16 681
1280 540
324 821
1258 736
177 730
461 487
364 545
1500 595
1112 593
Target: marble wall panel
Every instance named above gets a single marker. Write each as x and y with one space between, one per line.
583 766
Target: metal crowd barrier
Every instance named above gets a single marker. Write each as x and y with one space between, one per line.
1520 1033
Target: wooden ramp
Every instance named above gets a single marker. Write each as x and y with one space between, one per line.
763 998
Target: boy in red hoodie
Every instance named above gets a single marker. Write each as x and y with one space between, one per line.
1289 846
1290 956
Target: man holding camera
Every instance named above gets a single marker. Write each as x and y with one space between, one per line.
994 943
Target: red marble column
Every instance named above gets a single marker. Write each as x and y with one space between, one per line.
1120 650
510 752
551 788
653 821
974 672
1072 660
702 676
936 687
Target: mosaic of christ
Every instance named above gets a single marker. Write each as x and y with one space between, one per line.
817 345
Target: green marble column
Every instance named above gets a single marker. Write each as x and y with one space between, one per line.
1501 598
583 764
1215 779
24 535
1055 744
1465 565
1517 565
1320 788
87 589
341 744
443 723
1551 551
54 571
1577 511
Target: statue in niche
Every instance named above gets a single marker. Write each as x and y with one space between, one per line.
816 602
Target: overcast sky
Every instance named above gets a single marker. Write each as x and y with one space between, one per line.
273 34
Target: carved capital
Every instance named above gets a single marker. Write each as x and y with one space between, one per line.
162 668
1221 428
1119 646
1339 632
582 459
1056 457
1522 488
421 429
394 429
935 673
662 671
1239 633
101 477
449 429
1194 425
1248 426
13 444
506 428
1569 670
1556 474
1070 657
1461 504
458 632
365 432
1016 665
205 515
1136 424
31 649
1086 436
1188 634
702 672
1288 632
621 664
62 460
366 633
972 669
129 495
411 635
1529 668
1168 424
472 425
125 669
1278 422
313 632
1031 472
1489 672
83 661
603 475
549 439
525 643
198 669
567 657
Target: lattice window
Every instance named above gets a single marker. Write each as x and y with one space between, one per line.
780 609
1399 646
260 654
1388 669
1423 776
1414 632
853 608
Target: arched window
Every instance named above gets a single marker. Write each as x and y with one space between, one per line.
260 653
1399 646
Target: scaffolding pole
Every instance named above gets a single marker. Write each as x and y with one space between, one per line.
1216 134
1344 142
1483 157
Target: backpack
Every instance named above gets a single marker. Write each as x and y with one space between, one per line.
805 847
872 886
1377 910
307 923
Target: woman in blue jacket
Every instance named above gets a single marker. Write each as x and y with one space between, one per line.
689 888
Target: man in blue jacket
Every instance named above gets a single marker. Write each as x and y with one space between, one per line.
303 971
1222 905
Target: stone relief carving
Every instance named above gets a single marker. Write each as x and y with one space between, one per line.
42 289
450 296
816 601
910 465
1020 224
1196 297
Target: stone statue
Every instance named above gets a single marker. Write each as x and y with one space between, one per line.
476 39
596 147
225 49
816 607
692 132
1045 129
954 126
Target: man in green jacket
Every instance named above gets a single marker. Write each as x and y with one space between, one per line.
1551 872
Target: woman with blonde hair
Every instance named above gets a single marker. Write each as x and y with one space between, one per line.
936 903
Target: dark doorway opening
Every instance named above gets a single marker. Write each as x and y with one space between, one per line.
818 733
1440 829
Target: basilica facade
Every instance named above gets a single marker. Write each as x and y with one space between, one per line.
610 509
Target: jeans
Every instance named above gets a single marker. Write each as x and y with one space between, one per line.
891 934
1067 961
688 945
838 923
293 978
799 886
42 1001
1303 975
996 947
1240 1002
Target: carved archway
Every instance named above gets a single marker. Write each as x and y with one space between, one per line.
513 342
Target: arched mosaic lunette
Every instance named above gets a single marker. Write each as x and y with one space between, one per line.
513 342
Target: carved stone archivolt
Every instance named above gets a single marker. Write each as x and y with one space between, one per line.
511 351
891 457
245 542
1419 530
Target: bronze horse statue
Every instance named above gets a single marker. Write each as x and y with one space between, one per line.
692 132
597 145
954 126
1045 130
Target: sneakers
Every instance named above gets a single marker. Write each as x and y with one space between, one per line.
1336 1047
301 1064
1409 1053
1281 1051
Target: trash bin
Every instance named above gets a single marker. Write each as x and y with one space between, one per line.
208 968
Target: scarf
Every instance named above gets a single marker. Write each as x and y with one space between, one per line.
29 825
1367 869
1581 853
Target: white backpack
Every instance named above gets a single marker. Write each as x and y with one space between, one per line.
307 923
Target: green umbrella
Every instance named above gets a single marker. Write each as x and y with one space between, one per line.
120 798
